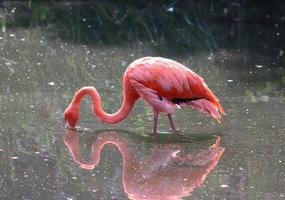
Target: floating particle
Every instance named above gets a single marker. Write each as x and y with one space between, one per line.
224 186
230 80
51 83
14 157
258 66
171 9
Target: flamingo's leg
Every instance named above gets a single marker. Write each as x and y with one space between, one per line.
171 122
155 118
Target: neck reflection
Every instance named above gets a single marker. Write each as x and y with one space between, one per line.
165 174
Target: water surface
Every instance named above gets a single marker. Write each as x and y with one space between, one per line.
39 74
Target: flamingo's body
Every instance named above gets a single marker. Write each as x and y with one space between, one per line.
163 83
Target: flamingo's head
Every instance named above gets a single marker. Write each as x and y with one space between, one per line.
71 116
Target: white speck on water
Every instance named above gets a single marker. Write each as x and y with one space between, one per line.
69 198
84 19
12 35
277 33
258 66
280 161
13 10
8 63
240 168
281 52
45 159
39 63
14 157
37 152
171 9
276 25
230 80
23 39
224 186
94 190
185 179
93 66
32 106
41 41
89 26
1 38
51 83
25 175
74 177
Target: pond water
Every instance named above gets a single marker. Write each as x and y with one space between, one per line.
241 158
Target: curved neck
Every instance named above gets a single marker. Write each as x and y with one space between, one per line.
128 102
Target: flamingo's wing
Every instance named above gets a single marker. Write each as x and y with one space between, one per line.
171 80
158 103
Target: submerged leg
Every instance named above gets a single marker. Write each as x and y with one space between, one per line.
154 127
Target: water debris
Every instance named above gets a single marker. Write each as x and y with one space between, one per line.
23 39
277 33
51 83
258 66
224 186
14 157
171 9
281 52
230 80
12 35
8 63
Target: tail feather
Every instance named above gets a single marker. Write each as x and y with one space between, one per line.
207 107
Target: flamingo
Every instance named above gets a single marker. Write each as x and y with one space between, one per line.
162 83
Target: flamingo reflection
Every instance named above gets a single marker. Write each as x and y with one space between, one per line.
165 174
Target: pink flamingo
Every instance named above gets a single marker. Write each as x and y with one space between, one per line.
165 174
163 83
